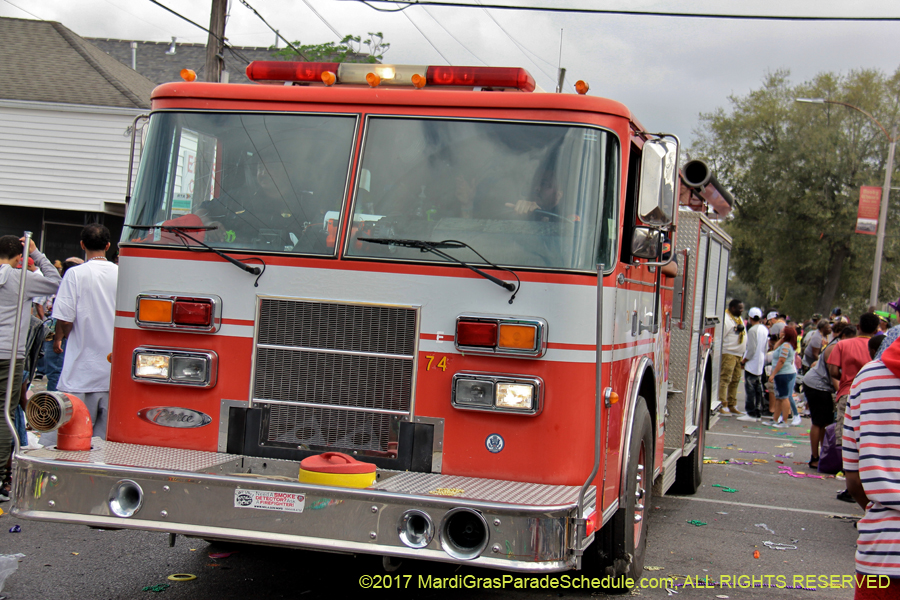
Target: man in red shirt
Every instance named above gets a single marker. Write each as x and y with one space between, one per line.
847 358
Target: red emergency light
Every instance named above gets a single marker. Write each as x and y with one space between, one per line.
415 76
280 70
504 77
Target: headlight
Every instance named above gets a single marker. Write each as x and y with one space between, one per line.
190 369
515 396
151 366
498 393
475 392
175 366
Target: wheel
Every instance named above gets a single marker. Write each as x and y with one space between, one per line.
689 469
621 544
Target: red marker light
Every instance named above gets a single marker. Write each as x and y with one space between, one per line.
474 333
192 313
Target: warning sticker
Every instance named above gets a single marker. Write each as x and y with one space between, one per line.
269 500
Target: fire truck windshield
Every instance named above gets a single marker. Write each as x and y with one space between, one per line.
253 181
524 194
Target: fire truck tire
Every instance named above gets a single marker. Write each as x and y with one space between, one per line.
689 469
618 551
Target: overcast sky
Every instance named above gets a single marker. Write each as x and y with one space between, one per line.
667 70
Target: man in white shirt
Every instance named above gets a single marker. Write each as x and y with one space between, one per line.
754 361
734 342
85 309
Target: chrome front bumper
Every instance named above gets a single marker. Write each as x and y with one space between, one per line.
530 527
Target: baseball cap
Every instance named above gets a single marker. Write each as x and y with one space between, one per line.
755 313
772 315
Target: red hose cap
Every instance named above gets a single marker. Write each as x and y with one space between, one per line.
335 462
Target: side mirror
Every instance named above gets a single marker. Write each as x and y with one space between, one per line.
656 194
645 243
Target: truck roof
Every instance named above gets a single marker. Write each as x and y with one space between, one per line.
169 95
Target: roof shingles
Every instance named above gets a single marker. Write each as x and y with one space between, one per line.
46 62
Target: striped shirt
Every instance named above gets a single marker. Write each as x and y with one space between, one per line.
872 447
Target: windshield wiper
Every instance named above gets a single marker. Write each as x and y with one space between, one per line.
436 247
180 231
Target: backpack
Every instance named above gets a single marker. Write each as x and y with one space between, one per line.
831 458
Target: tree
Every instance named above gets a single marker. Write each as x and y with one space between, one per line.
795 171
349 49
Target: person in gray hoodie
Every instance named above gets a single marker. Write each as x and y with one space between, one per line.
35 285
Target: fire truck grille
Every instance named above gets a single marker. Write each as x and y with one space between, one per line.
322 378
335 376
349 327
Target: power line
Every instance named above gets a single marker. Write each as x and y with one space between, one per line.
599 11
244 2
321 18
405 14
231 48
519 45
453 36
24 11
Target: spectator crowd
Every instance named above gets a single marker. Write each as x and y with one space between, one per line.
846 378
65 332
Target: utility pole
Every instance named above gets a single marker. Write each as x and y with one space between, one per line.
215 45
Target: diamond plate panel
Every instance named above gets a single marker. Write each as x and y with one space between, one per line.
682 346
145 457
485 490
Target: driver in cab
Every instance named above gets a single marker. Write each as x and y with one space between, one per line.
544 204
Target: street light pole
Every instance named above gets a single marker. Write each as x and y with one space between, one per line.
885 193
882 221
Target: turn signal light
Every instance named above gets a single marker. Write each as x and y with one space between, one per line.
188 74
329 78
510 336
159 310
521 337
154 311
582 87
372 79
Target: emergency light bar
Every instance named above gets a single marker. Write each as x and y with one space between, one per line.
416 76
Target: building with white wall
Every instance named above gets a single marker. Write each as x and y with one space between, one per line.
66 112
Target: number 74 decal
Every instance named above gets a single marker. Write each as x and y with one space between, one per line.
442 364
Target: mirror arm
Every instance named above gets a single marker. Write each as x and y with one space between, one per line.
659 264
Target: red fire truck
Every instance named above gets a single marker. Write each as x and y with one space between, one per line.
438 271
